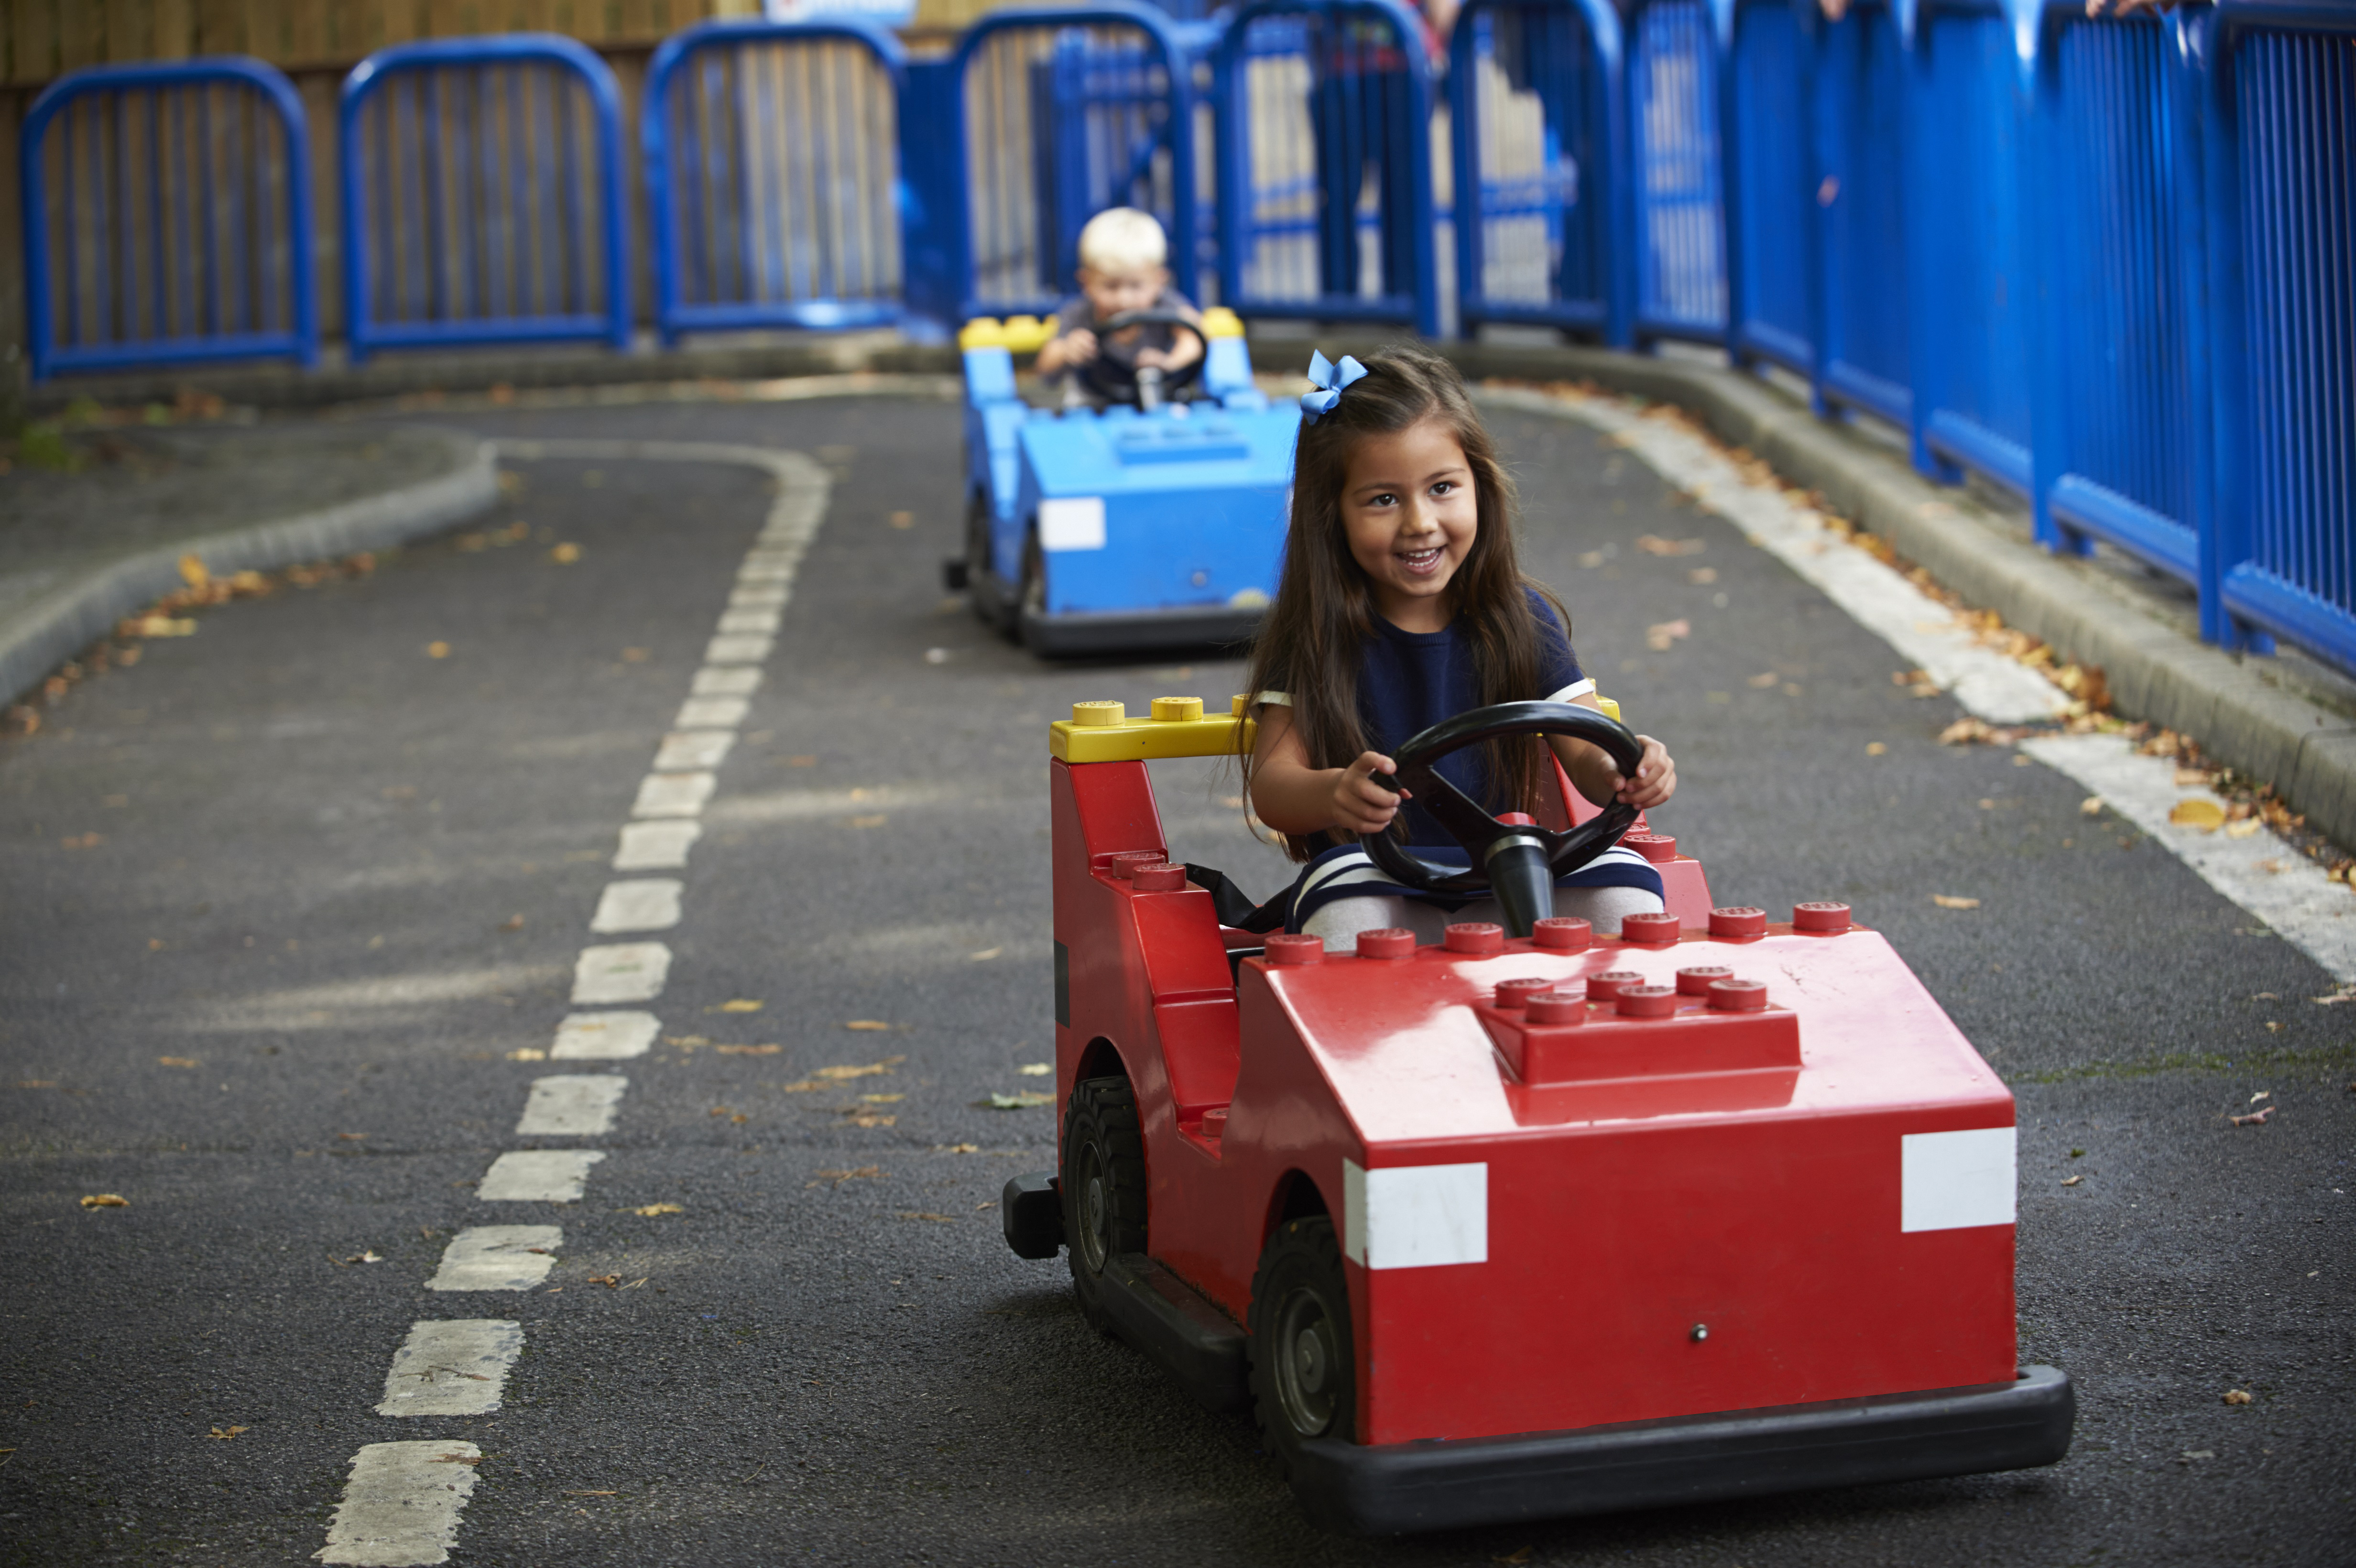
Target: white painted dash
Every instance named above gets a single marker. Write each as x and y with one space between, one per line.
647 903
756 622
712 713
537 1176
603 1037
685 749
657 845
743 680
761 596
498 1257
452 1367
401 1507
620 972
731 649
672 794
571 1105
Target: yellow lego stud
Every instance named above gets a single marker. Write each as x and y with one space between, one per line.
1177 709
1609 709
982 332
1093 714
1220 322
1028 334
1238 705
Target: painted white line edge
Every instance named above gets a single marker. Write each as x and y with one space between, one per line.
710 713
603 1037
452 1367
620 972
537 1176
683 750
571 1105
649 903
741 680
401 1507
674 794
659 845
498 1257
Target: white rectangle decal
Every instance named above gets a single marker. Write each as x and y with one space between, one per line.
1415 1216
1075 523
1949 1181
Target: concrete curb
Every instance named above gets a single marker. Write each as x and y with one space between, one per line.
2155 672
79 611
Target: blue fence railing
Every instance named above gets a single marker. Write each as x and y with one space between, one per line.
481 181
166 218
772 176
2109 264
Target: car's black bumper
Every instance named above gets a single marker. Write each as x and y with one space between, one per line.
1491 1480
1214 625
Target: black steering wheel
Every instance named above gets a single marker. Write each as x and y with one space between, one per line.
1518 864
1152 383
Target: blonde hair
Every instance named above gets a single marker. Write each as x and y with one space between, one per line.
1122 239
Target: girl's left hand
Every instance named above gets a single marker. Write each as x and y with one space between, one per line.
1655 780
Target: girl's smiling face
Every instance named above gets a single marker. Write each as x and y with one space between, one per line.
1411 512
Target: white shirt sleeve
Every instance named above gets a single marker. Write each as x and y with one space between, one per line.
1284 698
1577 689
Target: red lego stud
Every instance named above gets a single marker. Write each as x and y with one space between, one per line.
1390 941
1518 819
1285 948
1737 921
1694 982
1652 846
1476 937
1823 915
1564 933
1563 1004
1663 927
1124 865
1514 995
1603 987
1646 1001
1732 995
1165 878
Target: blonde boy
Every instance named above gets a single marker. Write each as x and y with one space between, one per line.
1124 266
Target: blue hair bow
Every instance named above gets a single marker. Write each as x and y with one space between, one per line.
1329 379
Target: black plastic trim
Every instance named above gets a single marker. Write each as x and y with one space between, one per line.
1063 986
1212 625
1031 1213
1177 1329
1407 1487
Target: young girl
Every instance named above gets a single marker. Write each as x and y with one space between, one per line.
1402 605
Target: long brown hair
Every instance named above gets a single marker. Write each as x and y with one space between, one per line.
1311 639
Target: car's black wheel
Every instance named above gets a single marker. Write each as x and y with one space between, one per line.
1104 1186
993 601
1304 1376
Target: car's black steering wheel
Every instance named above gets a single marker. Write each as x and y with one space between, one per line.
1517 863
1152 383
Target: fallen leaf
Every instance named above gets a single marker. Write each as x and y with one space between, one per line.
878 820
961 1148
83 841
610 1281
748 1050
856 1173
2192 1454
351 1138
2198 814
437 650
2262 1095
686 1041
165 626
1964 732
1516 1558
2335 999
1659 636
801 761
739 1118
922 1214
106 1201
565 554
2254 1119
226 1432
1021 1100
719 1110
175 1062
1762 680
858 1118
653 1209
985 956
2246 827
1702 576
528 1053
369 1256
871 1070
456 1459
1036 1069
741 1005
2237 1396
2072 1180
1875 749
2091 806
193 573
1653 544
882 1099
512 922
1949 900
2191 778
904 519
865 1024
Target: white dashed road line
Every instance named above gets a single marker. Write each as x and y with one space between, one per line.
739 682
498 1257
620 972
401 1506
686 749
604 1037
453 1367
674 794
2260 873
572 1105
710 713
537 1176
651 904
657 846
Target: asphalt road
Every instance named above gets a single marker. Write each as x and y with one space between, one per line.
342 880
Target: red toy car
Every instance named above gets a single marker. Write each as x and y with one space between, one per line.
1524 1226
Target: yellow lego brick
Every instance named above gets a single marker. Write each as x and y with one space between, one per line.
1220 322
1103 731
1027 334
1611 709
982 332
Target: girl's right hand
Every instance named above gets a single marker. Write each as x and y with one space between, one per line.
1360 804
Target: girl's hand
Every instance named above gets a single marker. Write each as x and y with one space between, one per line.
1360 804
1655 780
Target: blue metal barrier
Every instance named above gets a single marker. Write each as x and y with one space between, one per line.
1673 147
1059 112
1860 140
1534 121
474 173
2280 117
1325 194
166 218
772 188
1767 52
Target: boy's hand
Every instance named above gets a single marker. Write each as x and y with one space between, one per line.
1079 345
1360 804
1655 780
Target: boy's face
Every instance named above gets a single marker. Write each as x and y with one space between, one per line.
1110 291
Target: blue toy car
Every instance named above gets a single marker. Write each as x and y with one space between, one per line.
1155 526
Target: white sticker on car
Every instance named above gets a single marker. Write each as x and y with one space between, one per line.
1415 1216
1950 1181
1075 522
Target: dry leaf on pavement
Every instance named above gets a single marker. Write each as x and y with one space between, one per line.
1949 900
2256 1118
1653 544
748 1050
2091 806
175 1062
2245 827
653 1209
1036 1069
106 1201
2201 816
225 1434
1763 680
2237 1396
741 1005
1659 636
868 1024
857 1173
921 1215
871 1070
2072 1180
1023 1100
